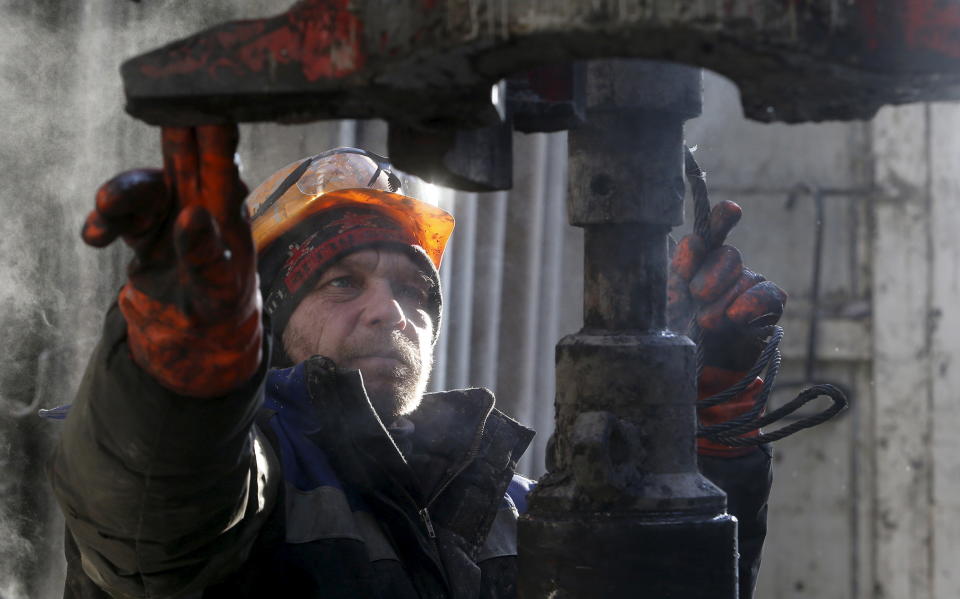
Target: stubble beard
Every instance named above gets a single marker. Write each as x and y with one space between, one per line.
395 392
399 391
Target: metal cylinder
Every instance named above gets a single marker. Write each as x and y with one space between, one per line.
623 510
625 288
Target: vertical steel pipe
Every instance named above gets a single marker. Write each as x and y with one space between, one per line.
623 510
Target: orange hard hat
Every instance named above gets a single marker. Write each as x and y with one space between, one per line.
338 178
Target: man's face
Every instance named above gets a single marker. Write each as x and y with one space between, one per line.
368 311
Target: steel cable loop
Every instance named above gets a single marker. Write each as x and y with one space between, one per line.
698 188
772 348
697 335
805 396
768 362
759 404
747 419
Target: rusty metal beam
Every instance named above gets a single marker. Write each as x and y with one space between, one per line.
429 64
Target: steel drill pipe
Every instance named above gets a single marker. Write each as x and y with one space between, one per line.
623 509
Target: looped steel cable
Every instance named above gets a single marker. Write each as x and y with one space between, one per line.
768 363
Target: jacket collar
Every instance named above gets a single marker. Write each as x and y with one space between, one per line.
331 407
462 456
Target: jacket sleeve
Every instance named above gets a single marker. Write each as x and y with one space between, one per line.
744 473
162 494
746 480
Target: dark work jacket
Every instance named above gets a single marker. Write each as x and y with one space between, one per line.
302 494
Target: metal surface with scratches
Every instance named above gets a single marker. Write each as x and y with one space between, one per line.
430 63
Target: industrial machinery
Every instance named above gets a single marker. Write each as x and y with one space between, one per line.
623 507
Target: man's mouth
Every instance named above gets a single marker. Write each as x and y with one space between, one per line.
387 358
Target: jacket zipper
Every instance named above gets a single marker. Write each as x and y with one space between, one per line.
428 523
471 455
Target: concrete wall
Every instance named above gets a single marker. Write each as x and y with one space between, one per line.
916 289
813 547
865 506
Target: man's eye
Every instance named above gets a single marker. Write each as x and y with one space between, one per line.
413 292
341 282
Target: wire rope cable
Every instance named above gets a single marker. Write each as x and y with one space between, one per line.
768 363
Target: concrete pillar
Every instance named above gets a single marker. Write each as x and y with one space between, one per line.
623 510
902 311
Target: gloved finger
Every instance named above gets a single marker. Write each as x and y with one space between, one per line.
723 217
197 238
130 193
205 264
712 317
221 188
720 269
181 164
687 256
761 304
96 232
127 205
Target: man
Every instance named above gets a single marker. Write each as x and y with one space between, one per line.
211 455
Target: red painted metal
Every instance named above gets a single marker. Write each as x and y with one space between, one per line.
319 38
428 63
426 66
926 27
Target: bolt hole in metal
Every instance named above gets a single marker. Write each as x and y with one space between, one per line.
768 364
601 185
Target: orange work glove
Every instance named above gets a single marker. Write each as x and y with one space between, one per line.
191 301
708 284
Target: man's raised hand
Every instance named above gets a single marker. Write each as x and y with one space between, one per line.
190 301
708 282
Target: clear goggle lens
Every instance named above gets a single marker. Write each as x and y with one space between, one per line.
348 168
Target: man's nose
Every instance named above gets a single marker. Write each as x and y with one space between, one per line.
382 309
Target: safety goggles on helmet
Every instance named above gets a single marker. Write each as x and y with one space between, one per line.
339 177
